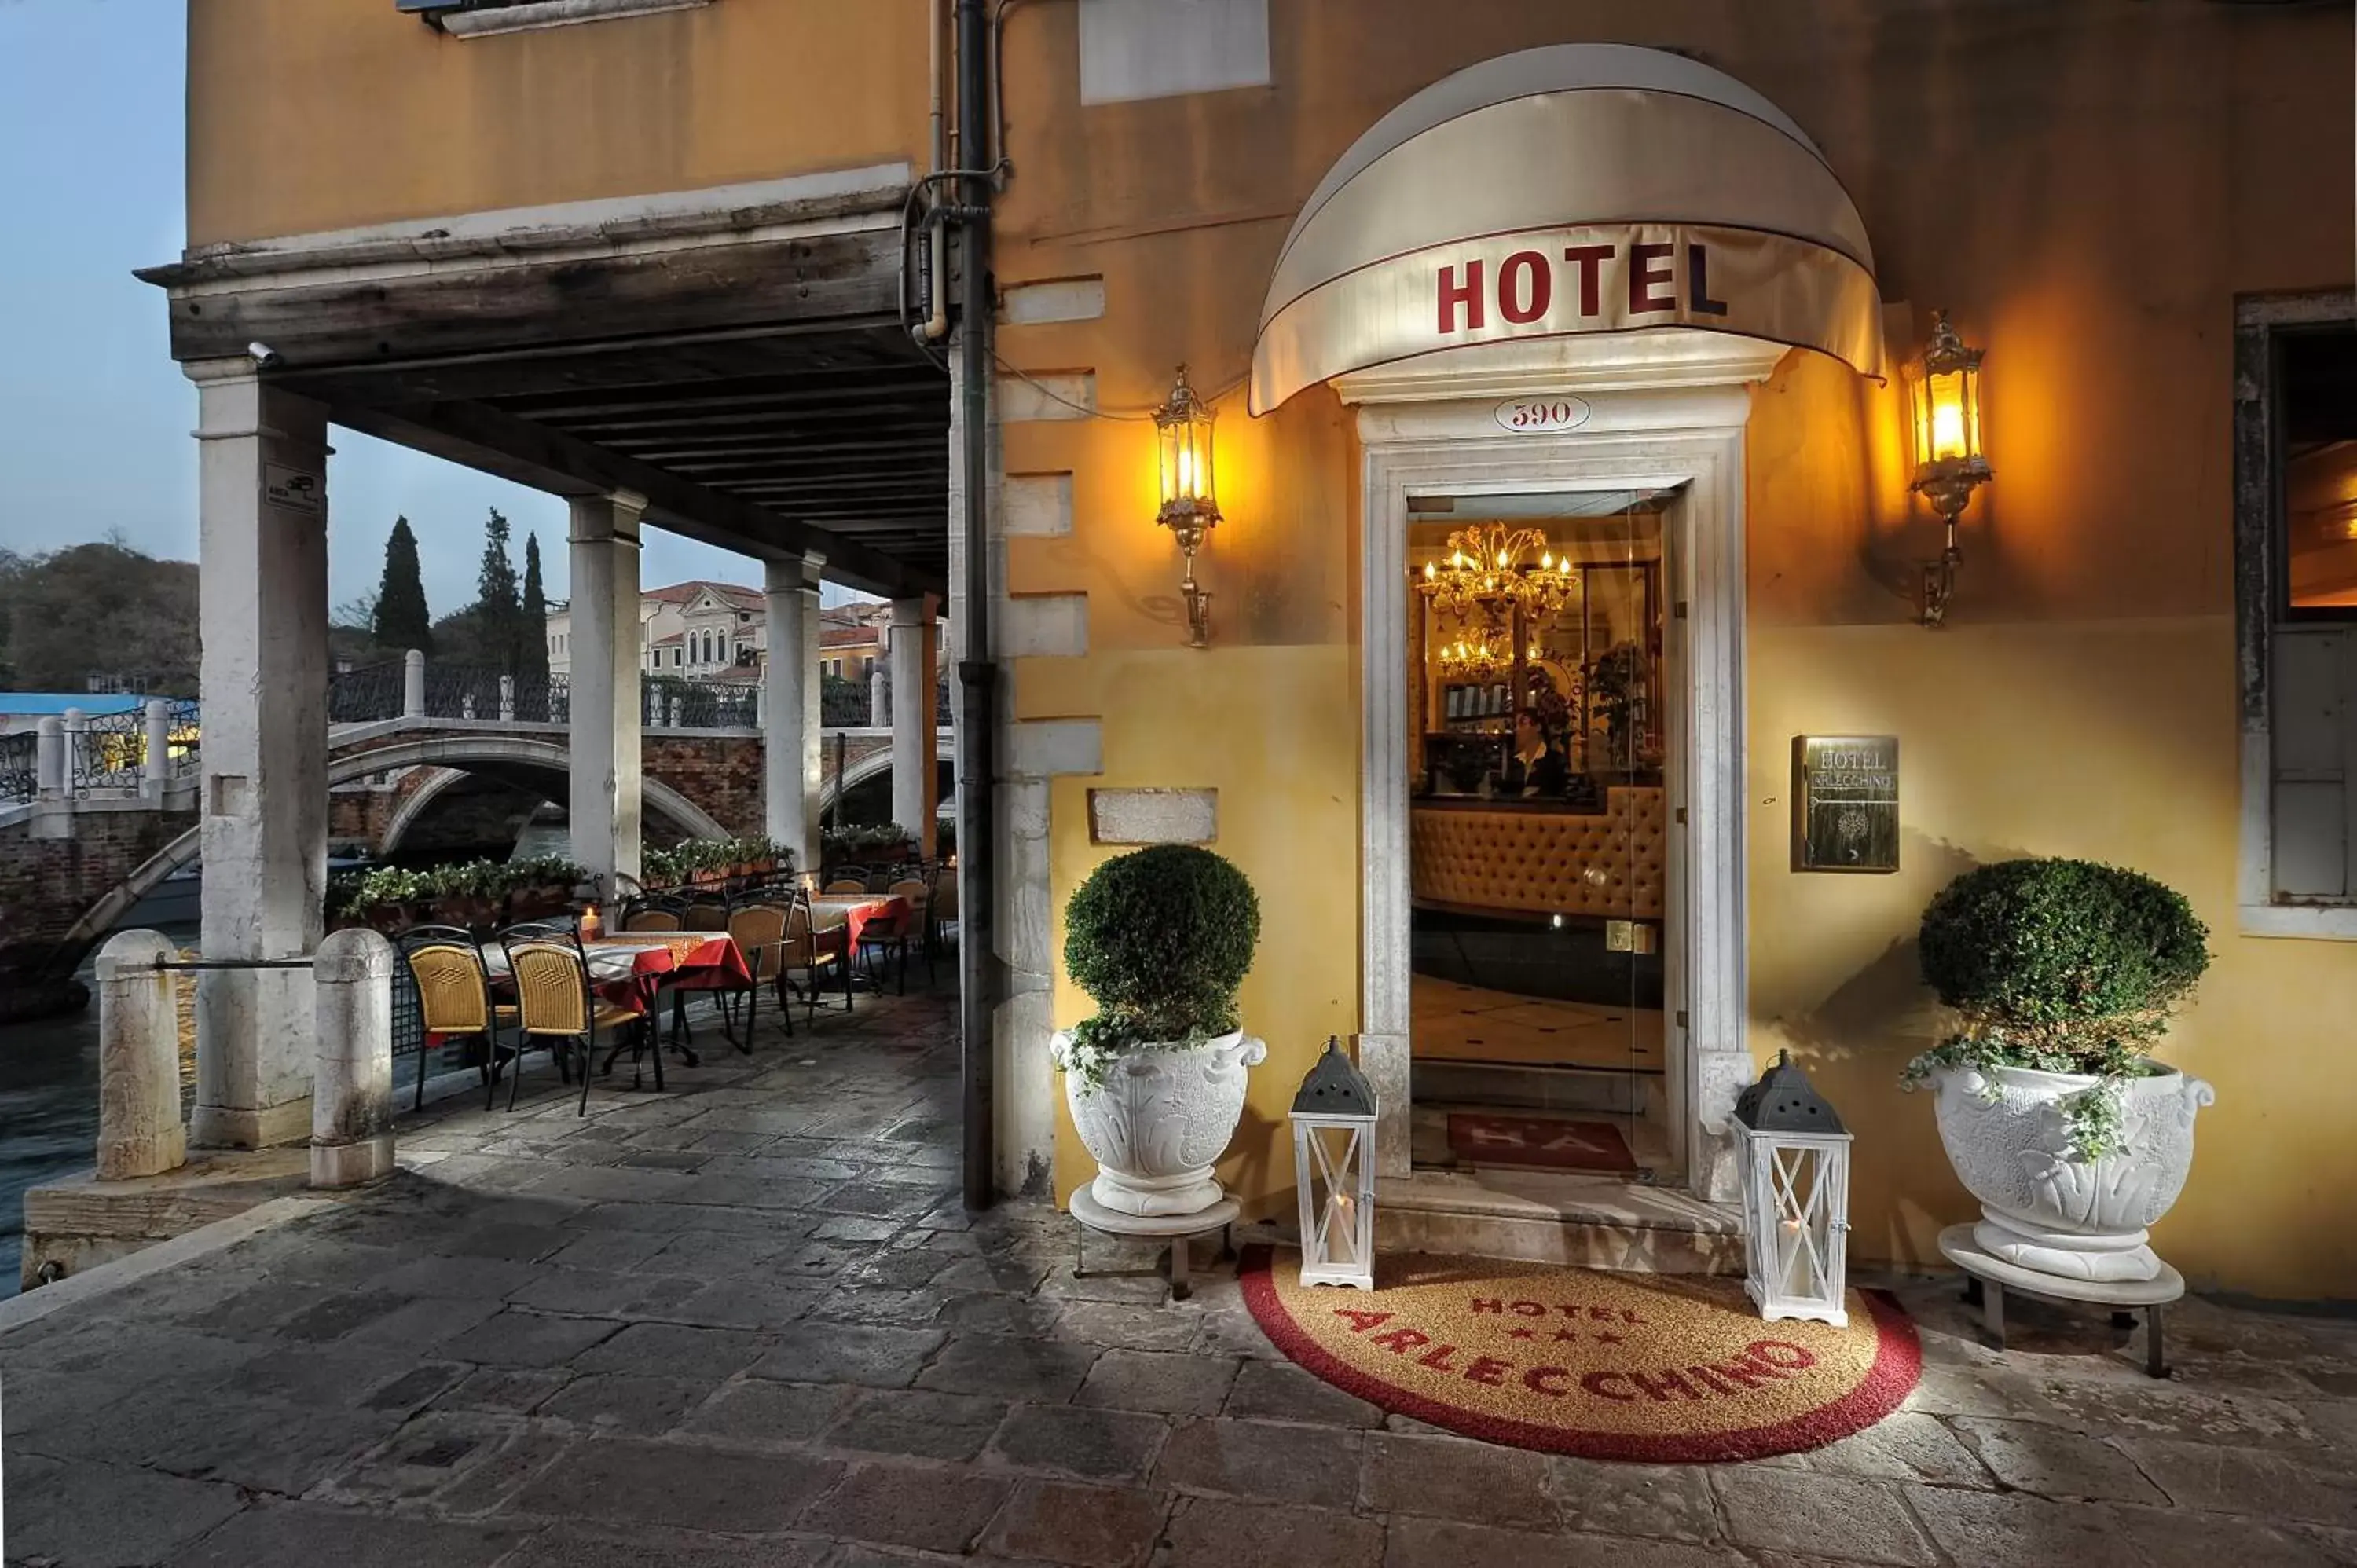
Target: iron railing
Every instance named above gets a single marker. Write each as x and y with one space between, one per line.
187 743
366 696
462 692
670 702
107 752
844 705
19 767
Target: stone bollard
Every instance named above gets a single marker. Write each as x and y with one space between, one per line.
352 1091
412 684
507 699
157 772
139 1131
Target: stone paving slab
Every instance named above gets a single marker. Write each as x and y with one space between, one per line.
746 1322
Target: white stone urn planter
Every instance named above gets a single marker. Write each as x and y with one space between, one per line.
2043 1206
1163 1114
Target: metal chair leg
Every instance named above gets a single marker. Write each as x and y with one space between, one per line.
589 1043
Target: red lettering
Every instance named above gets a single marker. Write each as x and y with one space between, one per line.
1698 299
1788 1356
1535 1381
1525 300
1663 1387
1708 1381
1438 1359
1599 1315
1363 1321
1485 1369
1645 279
1587 265
1467 295
1399 1341
1569 1309
1629 1315
1594 1384
1488 1304
1745 1370
1529 1309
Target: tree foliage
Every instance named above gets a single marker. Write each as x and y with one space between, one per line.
1161 939
102 609
401 620
499 605
531 638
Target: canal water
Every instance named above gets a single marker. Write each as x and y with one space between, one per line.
49 1108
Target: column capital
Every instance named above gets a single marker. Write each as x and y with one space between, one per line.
922 610
791 574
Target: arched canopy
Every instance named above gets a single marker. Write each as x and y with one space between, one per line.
1580 188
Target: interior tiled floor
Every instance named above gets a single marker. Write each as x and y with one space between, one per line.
1459 1023
748 1323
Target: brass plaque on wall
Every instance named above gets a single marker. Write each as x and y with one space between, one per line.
1846 802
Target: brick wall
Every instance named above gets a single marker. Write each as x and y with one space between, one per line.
46 884
721 774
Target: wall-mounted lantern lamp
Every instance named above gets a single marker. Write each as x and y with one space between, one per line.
1190 498
1945 390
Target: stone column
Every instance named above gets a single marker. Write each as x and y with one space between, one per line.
790 734
139 1131
49 756
412 684
157 770
916 789
262 615
351 1105
604 796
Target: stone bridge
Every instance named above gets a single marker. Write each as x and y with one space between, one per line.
87 829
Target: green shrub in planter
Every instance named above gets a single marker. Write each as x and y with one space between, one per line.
2063 966
1161 939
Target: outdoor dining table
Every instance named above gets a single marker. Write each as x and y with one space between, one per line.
856 911
632 968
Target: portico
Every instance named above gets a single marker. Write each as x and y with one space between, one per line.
732 371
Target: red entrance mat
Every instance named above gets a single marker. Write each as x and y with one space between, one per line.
1539 1142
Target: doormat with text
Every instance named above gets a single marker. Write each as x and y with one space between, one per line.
1664 1369
1536 1141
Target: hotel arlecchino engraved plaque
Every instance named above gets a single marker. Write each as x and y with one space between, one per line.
1846 802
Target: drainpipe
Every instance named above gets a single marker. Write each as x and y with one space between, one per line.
977 677
937 236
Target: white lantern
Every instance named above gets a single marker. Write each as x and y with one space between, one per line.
1795 1171
1334 1172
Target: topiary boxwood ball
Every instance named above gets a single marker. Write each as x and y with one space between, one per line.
2063 956
1161 938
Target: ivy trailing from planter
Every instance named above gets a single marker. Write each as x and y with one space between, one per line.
2060 966
1161 939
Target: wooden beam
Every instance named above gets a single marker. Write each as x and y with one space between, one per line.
571 370
823 390
360 321
495 442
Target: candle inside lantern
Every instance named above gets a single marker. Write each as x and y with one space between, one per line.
1341 1227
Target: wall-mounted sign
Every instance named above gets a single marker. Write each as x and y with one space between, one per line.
292 487
1846 802
1542 416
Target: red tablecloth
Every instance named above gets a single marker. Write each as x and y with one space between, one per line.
856 911
625 968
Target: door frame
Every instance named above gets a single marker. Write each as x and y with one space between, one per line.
1662 412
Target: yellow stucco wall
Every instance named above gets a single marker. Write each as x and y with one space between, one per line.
314 115
2088 188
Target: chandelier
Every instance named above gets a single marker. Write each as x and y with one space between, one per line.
1476 655
1488 570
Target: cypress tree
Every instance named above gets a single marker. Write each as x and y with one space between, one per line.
401 621
532 632
497 606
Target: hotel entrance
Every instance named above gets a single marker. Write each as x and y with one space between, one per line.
1537 738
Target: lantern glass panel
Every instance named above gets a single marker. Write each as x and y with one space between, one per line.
1189 485
1796 1192
1336 1190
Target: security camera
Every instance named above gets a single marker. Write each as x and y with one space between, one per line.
265 355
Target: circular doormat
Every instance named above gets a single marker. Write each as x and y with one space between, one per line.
1612 1366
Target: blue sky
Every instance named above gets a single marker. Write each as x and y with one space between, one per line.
94 417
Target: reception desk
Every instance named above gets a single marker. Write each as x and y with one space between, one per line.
1536 858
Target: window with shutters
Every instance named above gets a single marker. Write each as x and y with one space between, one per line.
2296 582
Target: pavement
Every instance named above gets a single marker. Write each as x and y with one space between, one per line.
748 1322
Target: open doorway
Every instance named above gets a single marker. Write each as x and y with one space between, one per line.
1538 739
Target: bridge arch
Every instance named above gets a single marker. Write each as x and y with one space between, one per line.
461 753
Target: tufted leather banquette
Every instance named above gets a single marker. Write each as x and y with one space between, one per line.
1538 862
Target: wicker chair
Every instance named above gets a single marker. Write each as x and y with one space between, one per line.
847 885
916 925
759 932
650 918
454 996
555 1003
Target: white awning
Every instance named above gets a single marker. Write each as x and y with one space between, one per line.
1581 188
